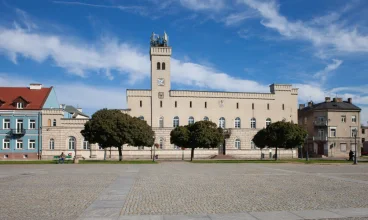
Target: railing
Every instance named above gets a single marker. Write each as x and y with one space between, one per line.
18 131
320 138
320 123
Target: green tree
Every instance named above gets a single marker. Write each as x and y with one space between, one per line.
261 139
112 128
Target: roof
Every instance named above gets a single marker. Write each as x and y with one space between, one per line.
35 98
73 110
332 106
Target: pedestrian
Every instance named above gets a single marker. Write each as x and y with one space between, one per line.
62 157
351 155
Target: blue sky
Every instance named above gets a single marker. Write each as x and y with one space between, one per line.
92 51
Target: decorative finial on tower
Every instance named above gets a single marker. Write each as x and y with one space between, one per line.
157 41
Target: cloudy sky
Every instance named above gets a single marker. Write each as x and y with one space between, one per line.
91 51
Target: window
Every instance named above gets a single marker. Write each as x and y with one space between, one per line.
363 140
141 117
140 103
253 106
283 106
161 142
6 156
205 118
268 106
85 145
253 123
160 104
19 125
100 147
268 122
222 122
305 120
32 124
363 131
353 119
6 124
237 144
6 144
321 133
352 147
54 123
176 147
237 122
205 104
31 144
19 144
176 104
343 118
71 143
51 144
158 65
19 105
237 105
343 147
161 122
49 122
252 145
176 121
332 132
354 131
163 66
190 120
190 104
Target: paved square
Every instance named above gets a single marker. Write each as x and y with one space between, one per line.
181 190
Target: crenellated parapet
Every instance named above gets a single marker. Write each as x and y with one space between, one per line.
294 91
138 93
161 51
73 122
210 94
52 111
281 87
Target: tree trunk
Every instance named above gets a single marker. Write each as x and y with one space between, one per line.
276 155
192 154
120 153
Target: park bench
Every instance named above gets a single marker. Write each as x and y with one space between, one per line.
66 160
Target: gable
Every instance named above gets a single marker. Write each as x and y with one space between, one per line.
51 101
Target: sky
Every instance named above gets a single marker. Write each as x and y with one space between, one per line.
92 51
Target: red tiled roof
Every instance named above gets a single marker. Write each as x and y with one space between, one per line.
35 97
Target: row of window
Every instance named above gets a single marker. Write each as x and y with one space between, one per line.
205 105
161 65
322 119
333 132
19 123
71 144
19 144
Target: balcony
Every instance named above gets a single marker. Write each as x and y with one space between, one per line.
320 123
18 131
320 138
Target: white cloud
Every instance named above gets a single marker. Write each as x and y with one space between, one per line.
236 18
203 4
323 74
329 35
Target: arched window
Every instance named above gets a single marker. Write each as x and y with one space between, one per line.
237 122
253 123
237 143
163 66
161 142
206 118
71 143
52 143
190 120
161 122
268 121
141 117
49 122
85 145
158 65
54 122
222 122
176 121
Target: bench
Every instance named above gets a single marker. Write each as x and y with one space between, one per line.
66 159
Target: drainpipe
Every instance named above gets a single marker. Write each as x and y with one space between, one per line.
39 135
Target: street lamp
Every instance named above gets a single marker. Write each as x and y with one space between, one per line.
355 133
307 153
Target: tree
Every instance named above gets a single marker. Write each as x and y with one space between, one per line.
261 139
112 128
200 134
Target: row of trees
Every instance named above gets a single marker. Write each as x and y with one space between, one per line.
112 128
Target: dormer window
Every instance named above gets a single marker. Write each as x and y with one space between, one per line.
19 105
1 102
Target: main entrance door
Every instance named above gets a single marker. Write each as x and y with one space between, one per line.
321 149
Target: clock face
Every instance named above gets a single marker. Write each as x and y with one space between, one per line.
160 81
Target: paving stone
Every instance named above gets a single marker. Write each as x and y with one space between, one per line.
276 215
142 217
107 204
102 212
186 217
237 216
317 214
351 212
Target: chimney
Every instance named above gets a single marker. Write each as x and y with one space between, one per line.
80 109
310 104
350 100
35 86
301 106
327 99
338 99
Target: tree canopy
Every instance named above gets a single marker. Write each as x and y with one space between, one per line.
112 128
203 134
280 134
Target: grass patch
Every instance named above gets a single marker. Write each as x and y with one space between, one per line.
116 162
27 162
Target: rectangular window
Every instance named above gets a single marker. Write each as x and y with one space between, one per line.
305 120
19 144
354 131
268 106
253 106
19 125
31 144
237 105
140 103
321 133
85 145
19 105
353 119
283 106
333 132
343 118
343 147
363 131
32 124
6 144
190 104
205 104
160 104
176 104
363 140
6 124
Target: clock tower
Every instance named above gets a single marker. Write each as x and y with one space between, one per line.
160 56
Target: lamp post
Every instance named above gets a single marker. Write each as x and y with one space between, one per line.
355 131
307 153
